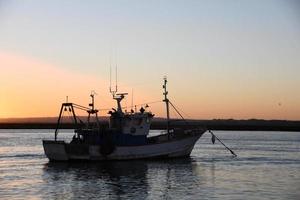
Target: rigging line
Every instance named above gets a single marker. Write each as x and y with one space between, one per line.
70 117
182 112
78 118
179 113
106 109
208 131
222 143
153 102
80 107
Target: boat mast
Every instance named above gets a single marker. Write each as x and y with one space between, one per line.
119 97
92 110
167 105
116 96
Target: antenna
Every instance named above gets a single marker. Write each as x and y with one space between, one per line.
113 92
132 98
110 75
116 78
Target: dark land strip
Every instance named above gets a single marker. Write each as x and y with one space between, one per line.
160 124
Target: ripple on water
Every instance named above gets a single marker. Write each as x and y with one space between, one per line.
267 167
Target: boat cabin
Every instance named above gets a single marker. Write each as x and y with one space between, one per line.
133 123
125 128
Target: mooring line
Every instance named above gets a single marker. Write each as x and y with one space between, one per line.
215 137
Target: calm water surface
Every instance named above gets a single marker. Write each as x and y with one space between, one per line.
267 167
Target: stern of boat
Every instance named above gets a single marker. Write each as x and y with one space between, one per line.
55 150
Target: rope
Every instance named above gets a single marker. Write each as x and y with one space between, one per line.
178 112
106 109
222 143
152 102
70 116
213 135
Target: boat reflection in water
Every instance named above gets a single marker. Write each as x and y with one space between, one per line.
138 179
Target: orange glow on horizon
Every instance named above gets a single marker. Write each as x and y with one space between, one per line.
31 88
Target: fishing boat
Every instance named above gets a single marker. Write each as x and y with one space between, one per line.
126 137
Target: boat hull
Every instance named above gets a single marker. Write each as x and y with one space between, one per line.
61 151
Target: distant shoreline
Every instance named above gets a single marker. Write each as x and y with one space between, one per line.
160 124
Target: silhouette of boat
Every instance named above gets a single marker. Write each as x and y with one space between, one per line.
127 136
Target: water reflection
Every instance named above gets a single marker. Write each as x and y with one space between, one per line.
267 167
142 179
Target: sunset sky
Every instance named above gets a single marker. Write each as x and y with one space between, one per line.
223 58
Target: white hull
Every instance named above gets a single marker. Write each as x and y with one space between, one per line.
60 151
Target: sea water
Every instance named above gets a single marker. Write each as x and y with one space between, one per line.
267 167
